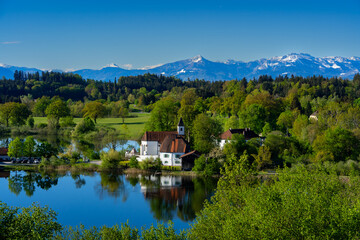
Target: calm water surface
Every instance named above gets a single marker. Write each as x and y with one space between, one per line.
104 198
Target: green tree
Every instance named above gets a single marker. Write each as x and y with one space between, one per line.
253 117
40 106
266 129
16 148
29 147
341 143
206 131
30 121
32 222
236 146
84 126
46 150
232 122
16 113
19 114
57 109
285 120
263 158
164 115
188 111
123 113
94 110
310 204
5 111
111 159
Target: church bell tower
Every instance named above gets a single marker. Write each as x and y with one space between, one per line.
181 128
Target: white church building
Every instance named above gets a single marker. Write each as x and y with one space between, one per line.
169 146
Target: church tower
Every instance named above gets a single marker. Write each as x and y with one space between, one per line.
181 128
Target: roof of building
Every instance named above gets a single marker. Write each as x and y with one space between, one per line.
133 150
195 153
181 123
174 144
315 114
3 151
157 136
247 132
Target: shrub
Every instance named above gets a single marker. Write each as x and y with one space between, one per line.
150 164
84 126
32 222
67 122
199 164
110 159
134 163
42 125
30 121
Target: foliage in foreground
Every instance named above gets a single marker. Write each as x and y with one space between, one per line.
302 204
40 223
27 223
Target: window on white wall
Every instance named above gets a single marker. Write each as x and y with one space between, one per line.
166 155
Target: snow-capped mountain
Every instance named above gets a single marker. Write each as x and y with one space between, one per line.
200 68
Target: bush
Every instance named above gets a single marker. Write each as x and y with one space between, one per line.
199 164
67 122
84 126
207 166
30 121
150 164
306 204
134 163
110 159
42 125
27 223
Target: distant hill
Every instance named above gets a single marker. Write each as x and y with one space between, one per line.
200 68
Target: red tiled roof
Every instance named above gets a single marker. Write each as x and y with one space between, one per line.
3 151
157 136
196 153
174 144
248 134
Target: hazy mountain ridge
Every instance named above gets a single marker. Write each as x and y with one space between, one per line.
200 68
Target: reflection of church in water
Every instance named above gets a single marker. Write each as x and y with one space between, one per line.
169 188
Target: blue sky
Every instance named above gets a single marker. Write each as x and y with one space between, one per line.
90 34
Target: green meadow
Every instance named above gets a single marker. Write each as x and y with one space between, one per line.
135 123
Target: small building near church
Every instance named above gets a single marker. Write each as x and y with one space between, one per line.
188 160
314 116
226 136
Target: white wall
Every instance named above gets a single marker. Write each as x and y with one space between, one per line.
171 159
149 148
222 143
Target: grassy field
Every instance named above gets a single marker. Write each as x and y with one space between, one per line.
135 125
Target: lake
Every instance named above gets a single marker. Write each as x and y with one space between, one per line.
96 199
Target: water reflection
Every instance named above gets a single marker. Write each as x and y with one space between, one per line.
168 197
84 147
26 181
111 184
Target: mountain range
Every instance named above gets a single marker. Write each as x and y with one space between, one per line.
198 67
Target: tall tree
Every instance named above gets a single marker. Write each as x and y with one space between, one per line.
16 148
5 111
57 110
94 110
206 132
29 146
187 110
164 115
